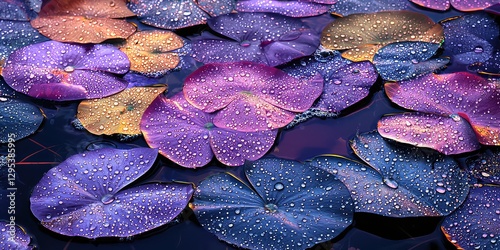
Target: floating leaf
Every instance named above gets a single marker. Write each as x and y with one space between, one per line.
188 136
486 166
279 210
406 60
17 10
265 38
13 236
150 52
470 38
117 114
216 7
453 96
490 67
293 8
138 80
84 21
400 181
249 96
5 90
18 119
461 5
364 34
493 9
57 71
442 133
475 224
348 7
85 196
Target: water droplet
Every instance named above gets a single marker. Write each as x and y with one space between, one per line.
390 183
440 190
69 69
455 117
478 49
271 207
107 199
279 186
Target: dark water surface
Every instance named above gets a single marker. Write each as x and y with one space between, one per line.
57 139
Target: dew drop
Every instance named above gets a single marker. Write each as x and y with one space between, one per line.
279 186
390 183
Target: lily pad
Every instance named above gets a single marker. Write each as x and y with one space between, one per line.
56 71
362 35
150 52
475 224
265 38
490 67
278 210
406 60
13 236
453 96
348 7
293 8
399 181
117 114
18 119
86 196
18 10
461 5
486 166
248 96
188 136
84 21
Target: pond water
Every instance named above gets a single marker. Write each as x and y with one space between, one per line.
57 139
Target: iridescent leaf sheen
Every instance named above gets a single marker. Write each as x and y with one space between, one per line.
150 52
120 113
486 166
249 96
188 136
293 8
406 60
57 71
399 181
86 196
84 21
475 224
265 38
363 34
18 119
461 5
278 210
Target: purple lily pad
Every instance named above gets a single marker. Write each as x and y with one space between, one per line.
19 10
293 8
406 60
486 166
265 38
14 237
278 210
85 196
18 119
348 7
470 38
493 9
453 96
57 71
399 181
475 224
249 96
461 5
188 136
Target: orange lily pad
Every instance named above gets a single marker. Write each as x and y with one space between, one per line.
150 52
362 35
117 114
84 21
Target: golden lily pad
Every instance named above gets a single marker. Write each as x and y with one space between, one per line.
84 21
117 114
150 52
362 35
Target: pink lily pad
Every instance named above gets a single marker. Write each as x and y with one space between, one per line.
188 136
57 71
249 96
462 5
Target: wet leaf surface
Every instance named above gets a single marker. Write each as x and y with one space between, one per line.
19 10
265 38
278 210
486 166
85 196
18 119
57 71
16 34
348 7
250 96
294 8
462 5
117 114
475 224
188 136
399 181
20 241
362 35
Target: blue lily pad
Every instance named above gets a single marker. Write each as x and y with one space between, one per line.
486 166
475 224
399 181
489 67
18 119
19 10
17 34
348 7
405 60
14 237
289 205
6 90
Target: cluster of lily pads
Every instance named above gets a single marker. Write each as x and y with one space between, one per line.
265 66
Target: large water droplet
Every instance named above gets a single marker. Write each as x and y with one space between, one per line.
107 199
390 183
279 186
